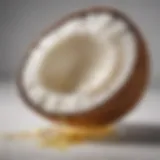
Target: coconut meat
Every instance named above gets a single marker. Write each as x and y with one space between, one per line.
80 65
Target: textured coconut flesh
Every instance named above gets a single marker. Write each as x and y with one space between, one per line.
80 65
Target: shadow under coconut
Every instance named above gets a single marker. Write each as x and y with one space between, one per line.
134 134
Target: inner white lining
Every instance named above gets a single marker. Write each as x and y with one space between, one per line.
111 59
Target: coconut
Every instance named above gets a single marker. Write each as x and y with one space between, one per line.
89 68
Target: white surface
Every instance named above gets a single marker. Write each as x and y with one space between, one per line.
14 116
21 151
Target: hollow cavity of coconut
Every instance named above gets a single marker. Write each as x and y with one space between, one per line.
90 68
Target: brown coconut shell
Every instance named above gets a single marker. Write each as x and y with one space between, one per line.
119 104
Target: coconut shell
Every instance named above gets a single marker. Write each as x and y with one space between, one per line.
120 103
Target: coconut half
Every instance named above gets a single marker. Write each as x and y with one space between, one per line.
90 68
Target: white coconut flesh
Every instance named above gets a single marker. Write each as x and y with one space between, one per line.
80 65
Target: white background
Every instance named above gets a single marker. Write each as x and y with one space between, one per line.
23 20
